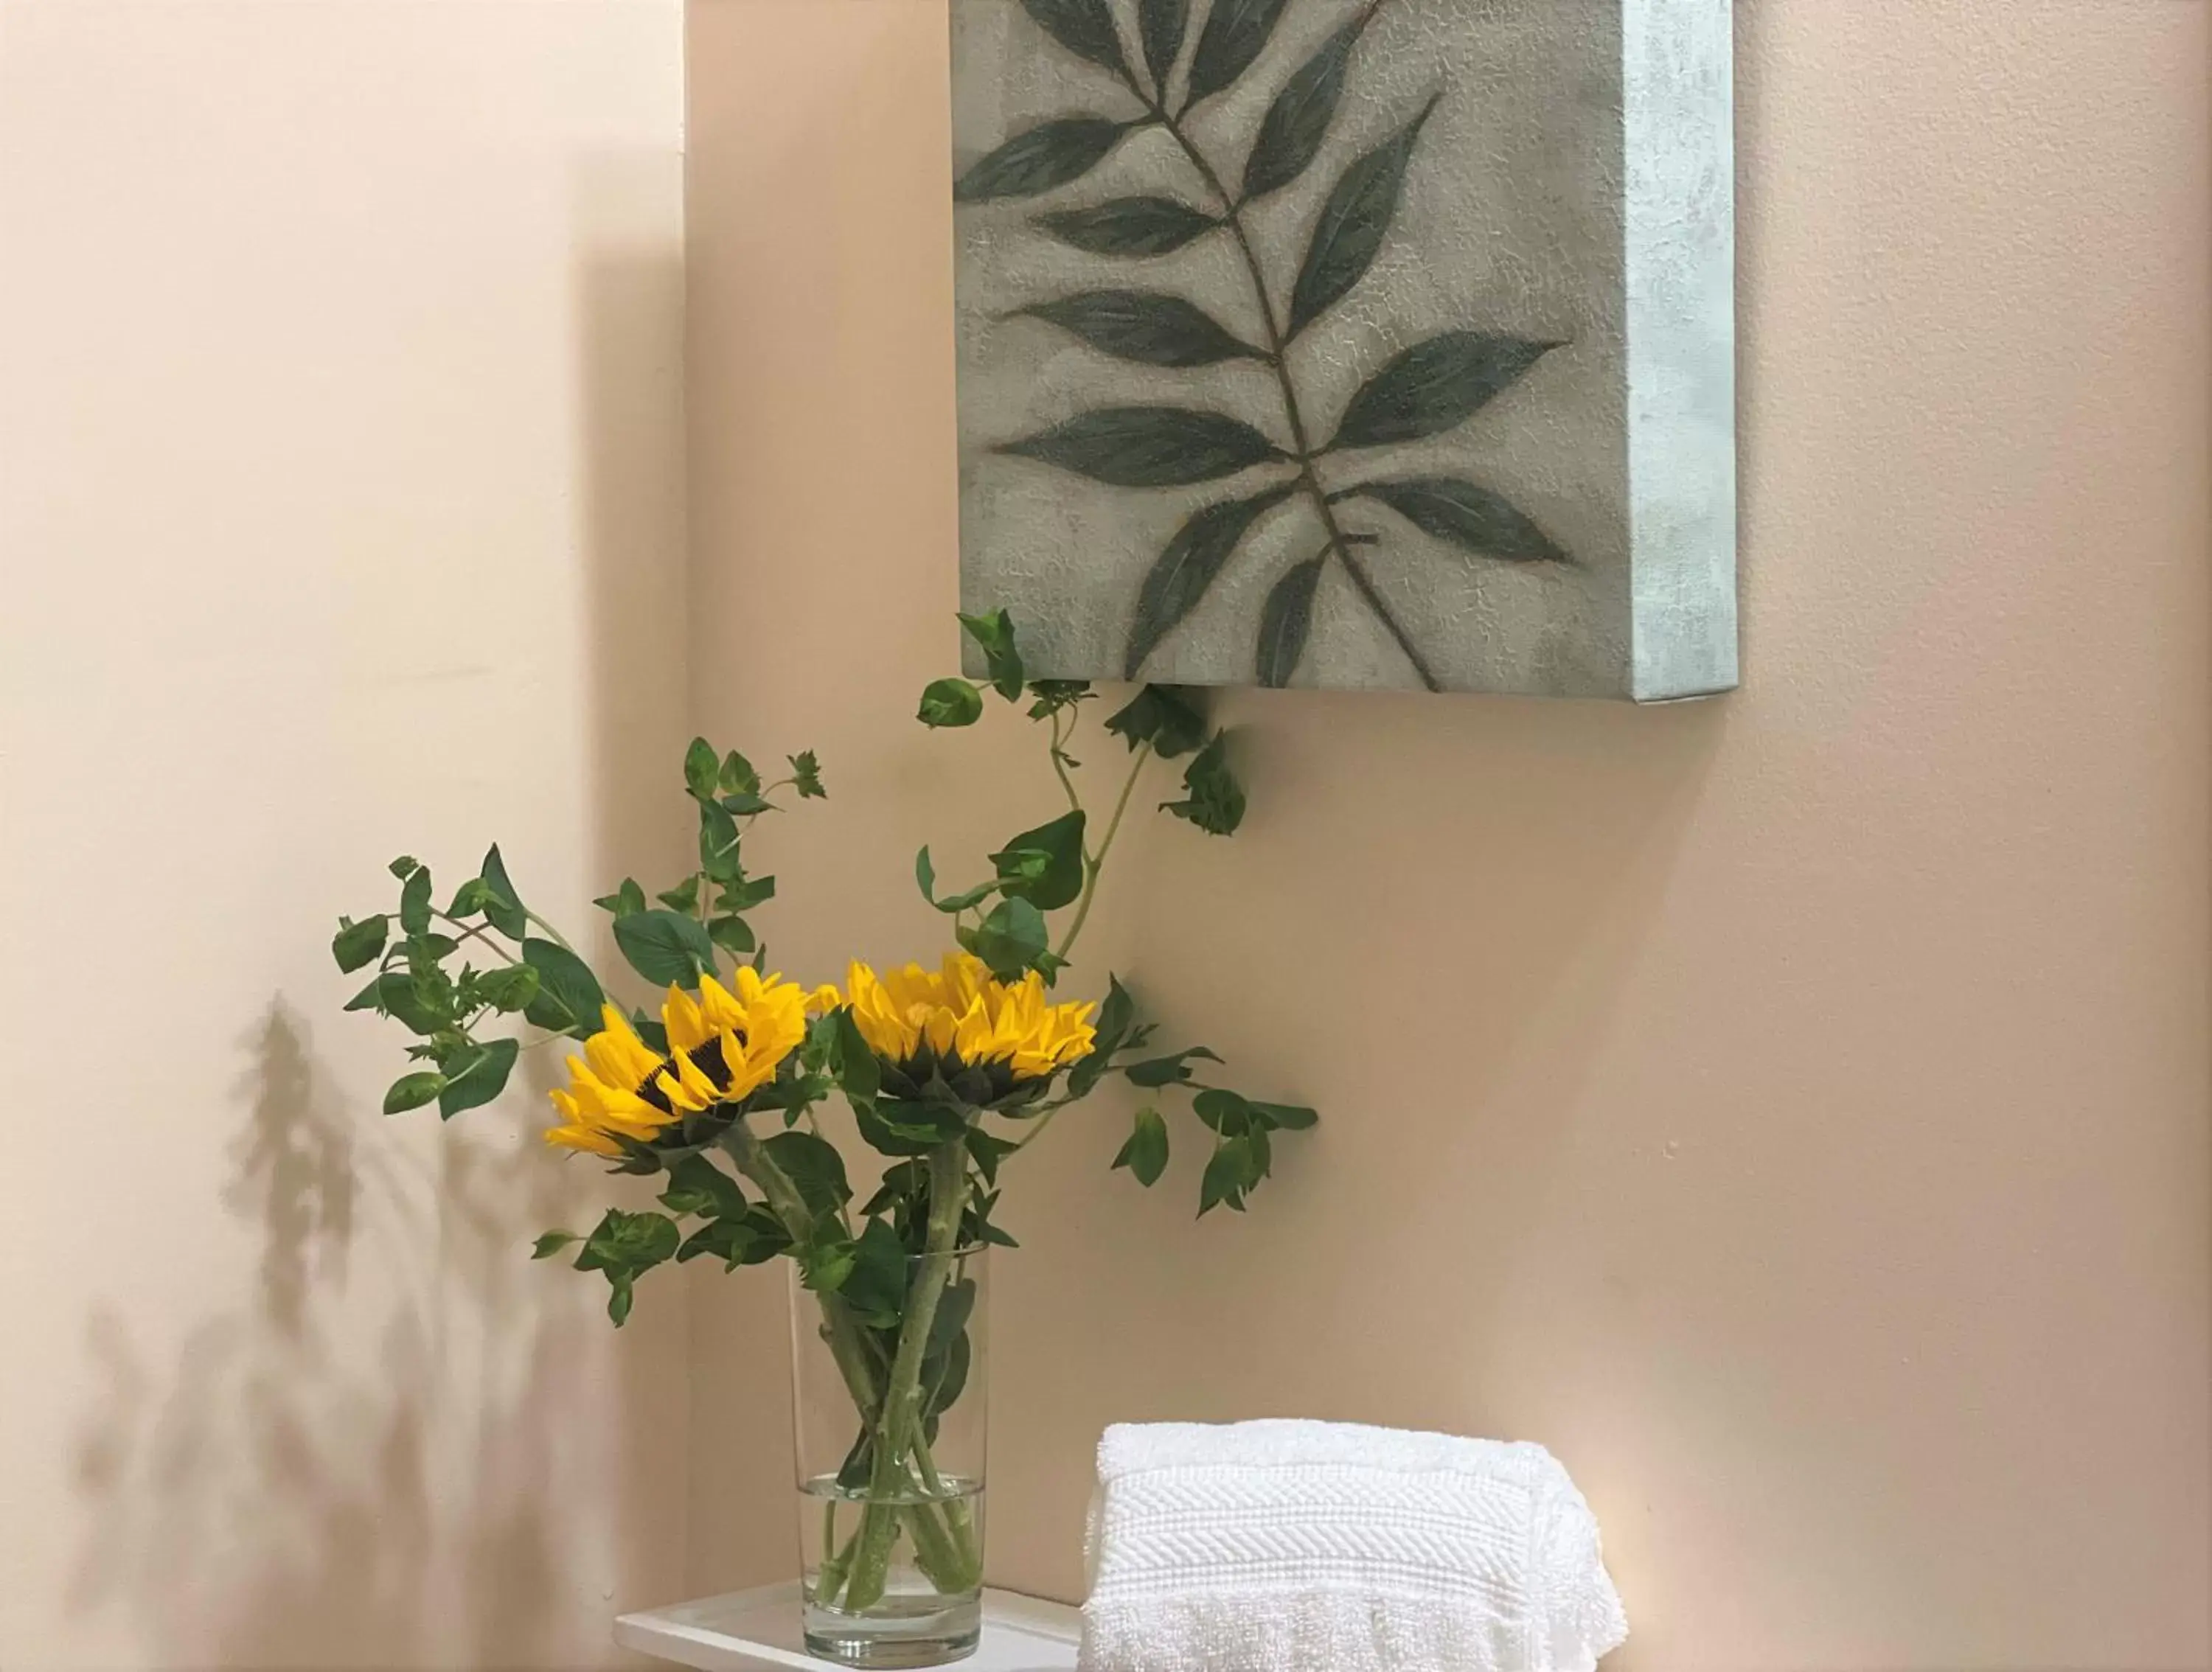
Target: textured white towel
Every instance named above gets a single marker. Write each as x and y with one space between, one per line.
1323 1546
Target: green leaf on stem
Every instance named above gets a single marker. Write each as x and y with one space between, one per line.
475 1080
697 1186
806 776
1226 1173
1171 718
1213 799
1224 1111
949 703
1167 1070
405 866
860 1076
718 842
414 902
1286 1117
503 904
664 947
1145 1153
1045 865
510 989
569 998
412 1091
629 898
733 935
1011 939
551 1244
702 769
876 1285
1115 1017
357 944
994 635
814 1166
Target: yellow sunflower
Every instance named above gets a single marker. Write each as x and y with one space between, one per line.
722 1047
962 1016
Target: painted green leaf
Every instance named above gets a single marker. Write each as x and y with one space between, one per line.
1435 385
1285 620
1160 26
1235 33
1149 329
1353 221
1129 226
1180 577
1470 517
1085 27
1040 160
1149 446
1296 124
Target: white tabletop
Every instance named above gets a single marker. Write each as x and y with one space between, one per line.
758 1631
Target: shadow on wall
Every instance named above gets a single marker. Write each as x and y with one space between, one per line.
271 1501
387 1457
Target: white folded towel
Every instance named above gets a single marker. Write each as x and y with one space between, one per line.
1324 1546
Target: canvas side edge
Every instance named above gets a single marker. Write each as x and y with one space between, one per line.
1678 109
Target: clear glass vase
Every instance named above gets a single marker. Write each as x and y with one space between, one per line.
890 1417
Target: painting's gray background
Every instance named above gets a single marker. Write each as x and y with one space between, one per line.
1512 221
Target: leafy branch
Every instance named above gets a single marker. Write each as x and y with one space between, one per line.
1425 391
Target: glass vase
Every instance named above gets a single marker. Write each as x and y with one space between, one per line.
890 1422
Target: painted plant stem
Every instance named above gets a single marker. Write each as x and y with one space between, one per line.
1232 216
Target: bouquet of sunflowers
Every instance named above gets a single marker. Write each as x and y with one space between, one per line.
948 1073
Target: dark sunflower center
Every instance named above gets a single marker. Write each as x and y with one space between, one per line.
707 1059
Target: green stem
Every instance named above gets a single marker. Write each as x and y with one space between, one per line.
551 934
901 1423
954 1550
1095 864
475 932
1059 762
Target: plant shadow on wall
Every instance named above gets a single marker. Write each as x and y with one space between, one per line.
1426 390
271 1502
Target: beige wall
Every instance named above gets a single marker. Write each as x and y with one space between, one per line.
1794 1110
1812 1147
318 322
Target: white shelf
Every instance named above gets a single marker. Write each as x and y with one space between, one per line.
758 1631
